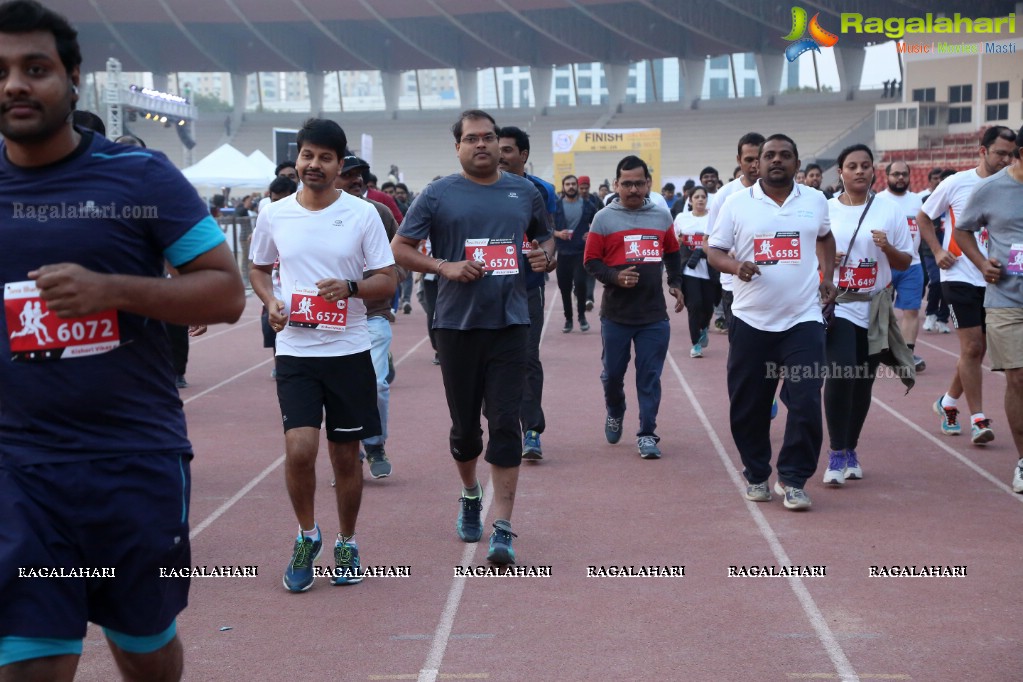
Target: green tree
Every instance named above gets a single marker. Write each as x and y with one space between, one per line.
209 103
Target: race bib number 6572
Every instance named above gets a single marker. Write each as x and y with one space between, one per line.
35 333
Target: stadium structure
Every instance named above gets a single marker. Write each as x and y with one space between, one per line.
943 101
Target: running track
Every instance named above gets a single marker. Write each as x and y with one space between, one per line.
926 499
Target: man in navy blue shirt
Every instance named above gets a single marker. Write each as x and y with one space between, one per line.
94 457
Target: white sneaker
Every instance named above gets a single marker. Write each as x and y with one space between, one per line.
943 328
930 323
835 473
795 498
1017 477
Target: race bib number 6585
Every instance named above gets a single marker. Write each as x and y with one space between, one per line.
775 248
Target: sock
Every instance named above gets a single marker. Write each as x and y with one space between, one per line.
342 539
473 493
313 534
978 417
948 401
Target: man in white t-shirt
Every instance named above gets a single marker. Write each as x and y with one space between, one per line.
777 330
333 253
962 284
748 156
908 283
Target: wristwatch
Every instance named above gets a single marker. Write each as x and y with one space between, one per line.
353 287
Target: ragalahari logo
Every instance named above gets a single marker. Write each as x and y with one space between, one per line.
818 36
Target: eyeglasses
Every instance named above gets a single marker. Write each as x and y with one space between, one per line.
489 138
633 184
899 174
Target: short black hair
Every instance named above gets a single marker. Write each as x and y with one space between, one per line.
89 121
690 184
698 188
709 169
131 140
632 162
323 133
670 186
936 172
28 16
283 185
995 132
888 168
574 177
402 185
520 136
854 148
783 138
1019 137
471 114
387 184
282 165
755 139
814 166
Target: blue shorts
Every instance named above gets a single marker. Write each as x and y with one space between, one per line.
85 541
909 287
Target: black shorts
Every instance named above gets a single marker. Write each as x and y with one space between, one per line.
269 335
965 304
111 528
344 387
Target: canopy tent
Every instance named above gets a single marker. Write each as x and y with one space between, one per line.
228 167
263 162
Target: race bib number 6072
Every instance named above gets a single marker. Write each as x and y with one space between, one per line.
35 333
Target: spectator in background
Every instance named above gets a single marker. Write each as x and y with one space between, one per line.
800 177
668 192
709 179
603 191
281 187
88 120
402 197
936 313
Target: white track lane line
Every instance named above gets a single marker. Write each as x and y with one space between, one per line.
231 328
820 624
205 523
442 633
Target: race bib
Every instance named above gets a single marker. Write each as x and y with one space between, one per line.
914 229
497 256
779 247
311 311
1015 264
693 241
36 334
856 277
643 248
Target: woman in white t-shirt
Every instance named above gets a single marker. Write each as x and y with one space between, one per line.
690 228
863 265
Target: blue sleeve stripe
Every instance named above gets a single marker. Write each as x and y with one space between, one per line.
202 237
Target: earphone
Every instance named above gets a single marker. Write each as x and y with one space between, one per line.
74 89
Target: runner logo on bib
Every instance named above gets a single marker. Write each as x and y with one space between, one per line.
309 310
36 333
857 277
693 241
1015 264
779 247
914 230
497 256
643 248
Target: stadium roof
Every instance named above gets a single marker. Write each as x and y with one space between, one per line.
244 36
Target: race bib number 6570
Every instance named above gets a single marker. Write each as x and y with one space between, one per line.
35 333
497 256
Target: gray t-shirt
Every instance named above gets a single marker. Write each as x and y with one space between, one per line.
996 206
463 220
573 213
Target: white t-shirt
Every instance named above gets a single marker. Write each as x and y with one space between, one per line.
866 269
952 195
782 241
341 242
690 230
714 203
909 205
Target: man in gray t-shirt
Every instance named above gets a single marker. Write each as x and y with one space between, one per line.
997 206
487 229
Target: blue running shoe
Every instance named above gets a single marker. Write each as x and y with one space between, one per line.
949 418
470 525
704 340
531 449
298 577
501 551
613 429
774 408
347 566
853 469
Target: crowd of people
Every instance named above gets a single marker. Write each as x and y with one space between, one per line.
815 289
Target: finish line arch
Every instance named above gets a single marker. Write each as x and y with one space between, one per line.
643 142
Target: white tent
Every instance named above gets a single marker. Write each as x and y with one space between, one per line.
263 162
228 167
